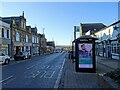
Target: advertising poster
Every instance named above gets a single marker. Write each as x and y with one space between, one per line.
85 55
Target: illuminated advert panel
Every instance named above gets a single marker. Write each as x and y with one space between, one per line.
85 55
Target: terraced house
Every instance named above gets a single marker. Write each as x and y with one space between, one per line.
35 41
108 44
18 29
23 38
5 38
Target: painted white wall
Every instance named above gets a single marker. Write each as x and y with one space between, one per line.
107 33
87 33
4 25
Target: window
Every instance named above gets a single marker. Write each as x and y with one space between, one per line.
109 33
26 38
17 36
24 25
32 39
13 35
37 40
7 33
118 51
2 32
101 35
115 48
21 24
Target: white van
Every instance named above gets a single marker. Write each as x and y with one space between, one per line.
4 59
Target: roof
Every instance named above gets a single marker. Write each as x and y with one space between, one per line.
16 18
92 27
109 25
42 35
8 20
85 37
34 30
51 43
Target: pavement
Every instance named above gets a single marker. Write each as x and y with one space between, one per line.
111 63
72 79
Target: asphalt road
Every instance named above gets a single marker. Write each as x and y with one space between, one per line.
38 72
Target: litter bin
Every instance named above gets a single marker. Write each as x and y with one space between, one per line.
85 54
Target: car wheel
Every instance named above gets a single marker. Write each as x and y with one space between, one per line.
29 57
24 58
7 61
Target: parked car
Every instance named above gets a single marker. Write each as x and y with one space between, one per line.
4 59
27 54
22 55
19 56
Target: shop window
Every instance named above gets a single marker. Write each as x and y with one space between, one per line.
115 48
2 32
118 51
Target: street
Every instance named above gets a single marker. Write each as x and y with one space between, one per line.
38 72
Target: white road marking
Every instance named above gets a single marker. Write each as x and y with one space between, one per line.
31 75
30 67
10 80
43 67
4 66
48 66
52 74
43 74
38 72
59 76
33 66
49 74
6 79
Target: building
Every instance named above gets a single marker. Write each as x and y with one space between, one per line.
28 42
5 37
107 43
43 44
19 34
90 28
119 23
50 46
35 41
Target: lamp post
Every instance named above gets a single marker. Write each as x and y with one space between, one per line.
11 28
74 32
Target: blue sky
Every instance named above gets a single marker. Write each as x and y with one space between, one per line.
59 18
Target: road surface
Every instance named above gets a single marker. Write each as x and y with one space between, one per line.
38 72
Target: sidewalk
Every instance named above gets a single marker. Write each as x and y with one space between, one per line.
111 63
72 79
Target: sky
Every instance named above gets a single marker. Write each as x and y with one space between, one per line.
58 18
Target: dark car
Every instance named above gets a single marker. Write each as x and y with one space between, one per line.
19 56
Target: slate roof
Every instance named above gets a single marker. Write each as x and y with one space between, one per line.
8 19
51 43
92 26
34 30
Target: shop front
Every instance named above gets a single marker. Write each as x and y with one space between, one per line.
5 46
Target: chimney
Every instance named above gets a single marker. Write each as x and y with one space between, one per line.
23 14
